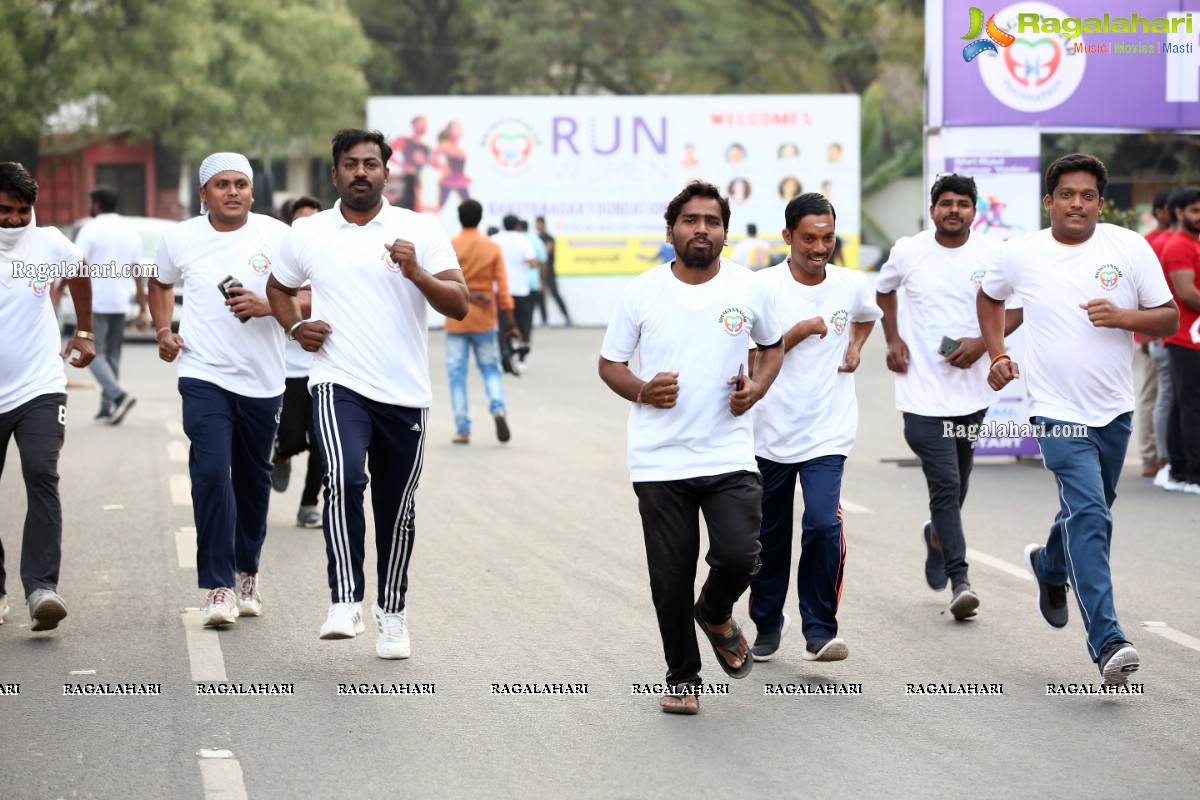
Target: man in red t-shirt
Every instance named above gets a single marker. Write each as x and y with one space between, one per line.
1146 373
1181 261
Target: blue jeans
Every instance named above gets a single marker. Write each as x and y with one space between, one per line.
487 355
1086 469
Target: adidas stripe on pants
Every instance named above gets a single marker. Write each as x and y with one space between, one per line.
352 429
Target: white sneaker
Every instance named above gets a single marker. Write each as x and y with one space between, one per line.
46 609
344 622
249 601
1172 485
1191 488
4 609
220 608
393 634
1164 475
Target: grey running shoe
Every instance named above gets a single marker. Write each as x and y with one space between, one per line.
964 603
308 517
766 644
1118 660
46 609
834 649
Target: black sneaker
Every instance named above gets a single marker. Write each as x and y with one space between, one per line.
281 474
1118 660
766 644
965 602
121 408
935 563
1052 600
834 649
502 432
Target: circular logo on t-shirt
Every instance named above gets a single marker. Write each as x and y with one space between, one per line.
1108 275
40 287
733 321
977 278
838 321
259 263
389 263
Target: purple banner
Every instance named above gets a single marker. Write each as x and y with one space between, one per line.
999 165
1132 64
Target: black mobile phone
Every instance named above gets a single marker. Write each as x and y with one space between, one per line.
741 378
948 346
224 286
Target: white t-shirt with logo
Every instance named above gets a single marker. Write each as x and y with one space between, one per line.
30 365
244 357
518 252
811 410
703 333
940 286
1073 370
379 346
109 239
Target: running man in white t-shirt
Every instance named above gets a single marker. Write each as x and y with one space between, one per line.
33 385
691 447
805 428
375 269
1086 288
230 357
940 271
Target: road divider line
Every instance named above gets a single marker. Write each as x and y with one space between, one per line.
998 563
181 490
221 775
174 426
204 648
1178 637
177 451
854 508
185 547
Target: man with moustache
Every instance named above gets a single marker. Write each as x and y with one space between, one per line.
231 376
691 449
940 271
33 385
1086 288
805 428
374 270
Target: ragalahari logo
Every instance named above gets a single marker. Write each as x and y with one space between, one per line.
988 45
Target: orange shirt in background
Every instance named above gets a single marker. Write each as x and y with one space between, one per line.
483 269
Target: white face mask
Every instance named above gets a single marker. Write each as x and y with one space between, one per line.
9 237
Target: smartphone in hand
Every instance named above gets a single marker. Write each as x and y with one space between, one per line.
948 346
741 377
224 286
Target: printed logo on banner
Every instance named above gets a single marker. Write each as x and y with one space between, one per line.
510 142
838 321
259 263
1108 275
1037 71
995 36
733 321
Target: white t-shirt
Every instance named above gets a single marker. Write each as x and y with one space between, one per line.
379 346
244 357
110 239
30 365
1073 370
940 285
518 252
703 333
753 253
811 410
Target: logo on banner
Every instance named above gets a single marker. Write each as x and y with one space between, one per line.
260 264
510 143
838 321
995 36
1108 275
1037 71
733 321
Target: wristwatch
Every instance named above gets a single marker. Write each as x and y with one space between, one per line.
85 335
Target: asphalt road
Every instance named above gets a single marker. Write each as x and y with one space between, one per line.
529 569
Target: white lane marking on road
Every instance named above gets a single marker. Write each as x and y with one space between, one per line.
177 451
1167 632
111 508
998 563
185 547
222 776
174 427
204 648
181 490
854 508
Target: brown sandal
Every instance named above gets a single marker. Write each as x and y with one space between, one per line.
689 703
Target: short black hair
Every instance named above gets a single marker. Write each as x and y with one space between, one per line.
346 138
105 197
1160 199
16 180
470 213
510 222
751 229
288 211
955 184
807 204
1077 162
1182 198
696 189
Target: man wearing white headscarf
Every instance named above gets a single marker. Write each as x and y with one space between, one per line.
33 386
231 376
